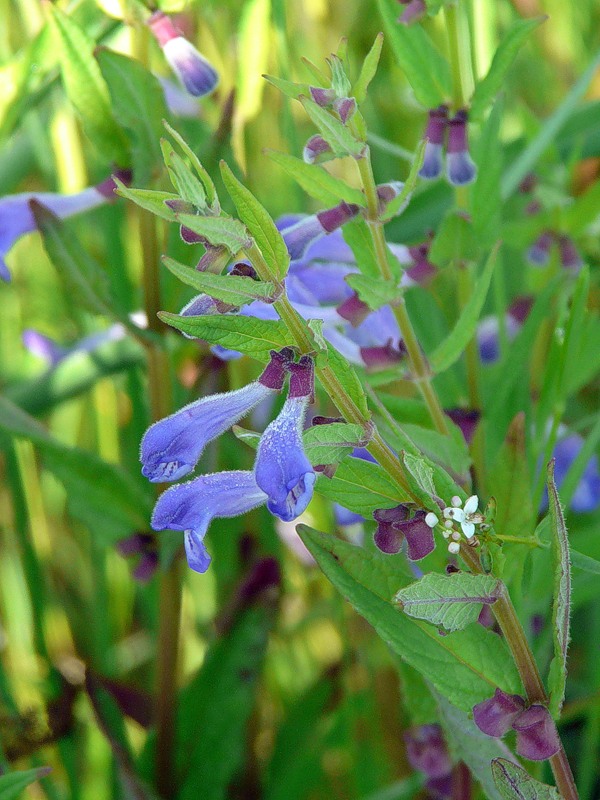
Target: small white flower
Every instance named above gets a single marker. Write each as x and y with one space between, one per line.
456 501
431 520
467 517
454 548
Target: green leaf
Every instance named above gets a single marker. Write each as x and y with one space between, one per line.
421 471
358 237
288 88
454 345
375 292
155 202
101 495
486 203
347 377
548 132
464 666
259 223
368 70
316 181
223 230
188 186
325 444
139 103
332 129
490 85
395 206
209 187
14 783
455 240
448 450
467 743
83 277
510 482
233 289
361 486
255 337
426 70
585 563
514 783
561 609
86 87
450 601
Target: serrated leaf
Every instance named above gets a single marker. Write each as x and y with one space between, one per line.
487 88
362 487
468 744
219 231
259 223
333 130
316 181
514 783
375 292
450 601
85 281
561 609
454 345
102 495
368 70
325 444
148 199
425 68
86 88
395 206
255 337
139 103
14 783
236 290
465 666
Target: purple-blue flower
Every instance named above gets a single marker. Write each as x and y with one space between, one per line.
282 469
587 494
460 168
196 74
190 507
172 446
16 217
434 136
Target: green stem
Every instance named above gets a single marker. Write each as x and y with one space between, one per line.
418 363
459 51
513 632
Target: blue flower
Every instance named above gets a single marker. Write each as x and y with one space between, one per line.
16 217
193 70
435 133
172 446
587 494
282 469
460 168
190 507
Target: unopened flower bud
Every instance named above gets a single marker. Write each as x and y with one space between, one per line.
460 167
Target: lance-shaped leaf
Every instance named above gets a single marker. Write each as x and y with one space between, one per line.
362 487
450 601
288 88
256 337
514 783
324 444
209 187
561 610
454 345
368 70
316 181
189 187
464 666
233 289
258 222
86 87
148 199
503 58
333 130
219 231
13 784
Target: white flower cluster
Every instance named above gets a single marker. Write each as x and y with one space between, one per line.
466 516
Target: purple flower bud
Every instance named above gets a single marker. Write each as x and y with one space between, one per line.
496 715
386 192
427 752
191 506
395 524
378 358
337 216
322 97
434 135
354 310
488 336
317 150
172 446
193 70
537 737
460 168
528 183
466 420
144 546
345 107
539 252
520 307
414 12
569 254
282 469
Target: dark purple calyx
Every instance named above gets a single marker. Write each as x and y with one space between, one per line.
322 97
396 524
244 270
107 187
377 358
354 310
436 124
537 737
466 419
302 378
273 375
495 716
569 254
457 133
345 107
335 217
427 752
